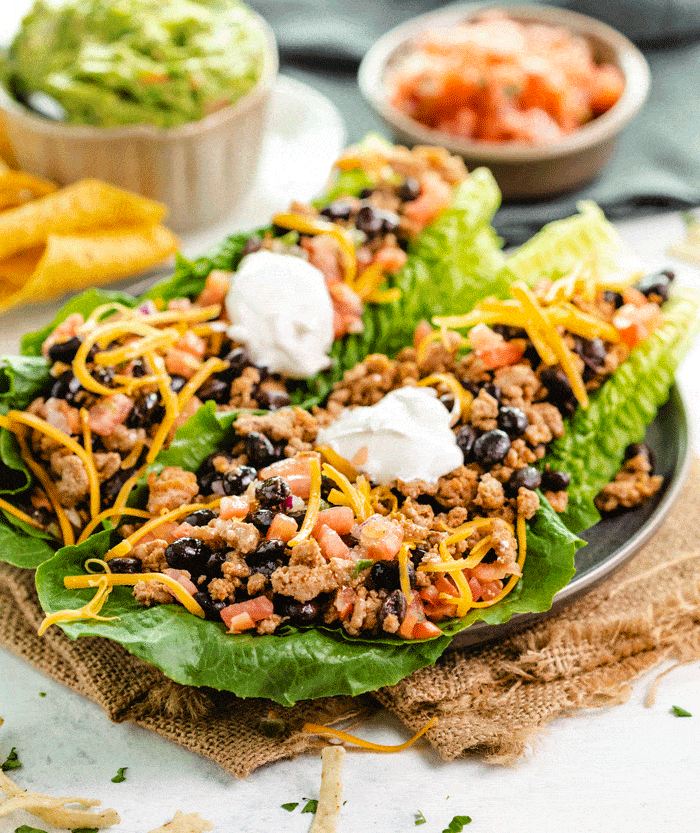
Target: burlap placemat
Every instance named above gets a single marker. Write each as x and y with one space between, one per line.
490 700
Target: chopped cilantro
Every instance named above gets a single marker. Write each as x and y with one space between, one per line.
25 828
85 830
362 564
291 806
457 824
42 694
310 806
679 712
12 762
420 819
119 777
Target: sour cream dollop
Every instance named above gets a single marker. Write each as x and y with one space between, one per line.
280 308
407 436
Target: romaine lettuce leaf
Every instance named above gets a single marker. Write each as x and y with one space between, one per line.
594 441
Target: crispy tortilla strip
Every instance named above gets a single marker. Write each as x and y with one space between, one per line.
181 823
74 262
18 187
52 810
331 792
84 206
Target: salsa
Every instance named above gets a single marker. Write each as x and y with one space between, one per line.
157 62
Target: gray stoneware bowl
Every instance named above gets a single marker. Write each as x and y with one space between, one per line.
522 172
200 170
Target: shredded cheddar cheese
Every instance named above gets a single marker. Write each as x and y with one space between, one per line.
462 398
210 366
307 225
338 462
316 729
404 578
313 505
8 507
91 610
357 501
109 513
521 528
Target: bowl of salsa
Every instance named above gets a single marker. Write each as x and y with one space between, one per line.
537 94
167 98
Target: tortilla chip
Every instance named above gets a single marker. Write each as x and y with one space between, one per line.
17 187
72 262
181 823
84 206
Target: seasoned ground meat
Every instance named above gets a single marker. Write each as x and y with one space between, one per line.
558 500
484 411
489 493
123 439
632 485
459 487
172 488
152 592
286 424
528 502
73 484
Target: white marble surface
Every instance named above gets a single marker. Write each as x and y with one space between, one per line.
628 769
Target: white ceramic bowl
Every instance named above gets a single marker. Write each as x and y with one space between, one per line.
521 171
200 170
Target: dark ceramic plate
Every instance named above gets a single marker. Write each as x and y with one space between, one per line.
613 540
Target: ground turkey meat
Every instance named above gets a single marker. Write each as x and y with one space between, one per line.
73 484
171 489
489 494
152 556
286 424
459 487
518 384
107 464
364 612
528 502
239 536
152 592
484 411
307 575
558 500
631 487
123 439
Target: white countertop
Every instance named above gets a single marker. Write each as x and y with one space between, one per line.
626 769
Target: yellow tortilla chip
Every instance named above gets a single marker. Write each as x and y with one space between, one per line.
17 187
73 262
84 206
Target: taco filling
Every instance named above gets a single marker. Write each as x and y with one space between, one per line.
404 501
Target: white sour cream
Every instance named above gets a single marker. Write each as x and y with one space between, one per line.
407 436
280 309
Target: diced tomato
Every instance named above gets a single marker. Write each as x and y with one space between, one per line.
382 538
332 545
192 344
631 295
181 579
475 589
438 612
282 528
296 471
339 518
435 197
167 531
345 602
415 613
423 329
239 622
181 363
430 594
636 323
193 404
489 572
108 413
490 589
504 355
482 337
255 609
608 86
215 288
444 585
347 309
425 630
233 507
392 258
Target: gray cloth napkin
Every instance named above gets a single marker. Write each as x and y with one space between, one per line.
656 165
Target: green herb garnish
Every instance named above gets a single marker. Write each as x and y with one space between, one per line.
85 830
12 762
42 694
292 805
457 824
119 777
25 828
361 565
420 819
679 712
310 806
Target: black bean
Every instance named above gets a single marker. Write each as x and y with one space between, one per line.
492 390
491 448
394 604
64 351
252 244
125 565
267 557
559 390
208 476
299 613
466 437
146 411
213 566
409 189
613 298
212 609
138 368
260 450
591 351
369 220
634 449
555 481
236 481
327 485
386 575
526 476
417 555
508 333
177 383
238 359
447 400
273 400
338 210
272 492
110 488
188 554
366 193
199 518
390 221
657 284
66 386
513 421
216 389
262 519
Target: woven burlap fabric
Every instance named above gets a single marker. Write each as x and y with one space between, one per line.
490 700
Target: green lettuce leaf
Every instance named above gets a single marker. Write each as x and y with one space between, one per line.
22 545
22 378
593 445
585 240
294 666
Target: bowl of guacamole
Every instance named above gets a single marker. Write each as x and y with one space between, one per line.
164 97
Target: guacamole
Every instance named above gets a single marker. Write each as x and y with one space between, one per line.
157 62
